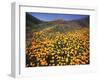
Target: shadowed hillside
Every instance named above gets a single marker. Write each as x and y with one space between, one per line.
83 22
30 20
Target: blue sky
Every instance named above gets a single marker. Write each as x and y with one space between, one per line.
53 16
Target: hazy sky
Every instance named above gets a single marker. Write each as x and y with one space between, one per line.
53 16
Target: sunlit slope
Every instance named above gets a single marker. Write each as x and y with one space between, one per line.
53 47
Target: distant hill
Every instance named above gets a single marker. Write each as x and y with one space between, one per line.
59 25
31 20
34 24
84 22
